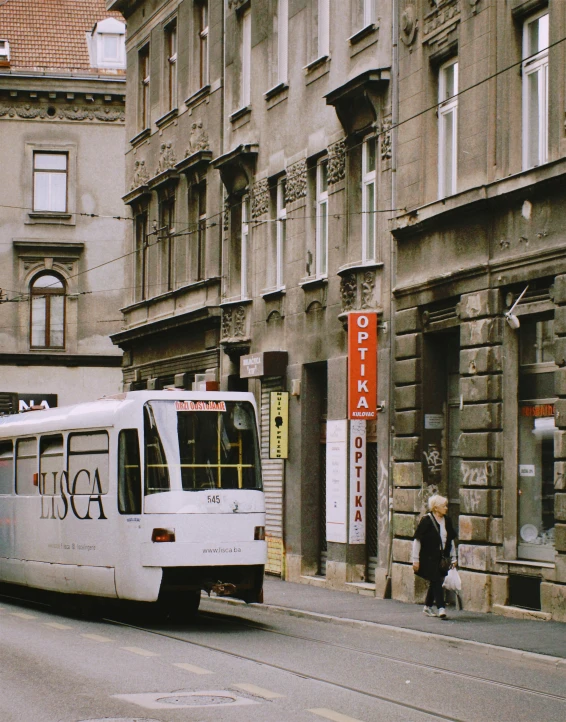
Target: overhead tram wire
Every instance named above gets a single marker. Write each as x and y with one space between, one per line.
377 134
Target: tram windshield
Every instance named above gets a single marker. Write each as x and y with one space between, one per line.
194 445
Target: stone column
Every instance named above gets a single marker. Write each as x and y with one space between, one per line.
553 595
480 445
407 467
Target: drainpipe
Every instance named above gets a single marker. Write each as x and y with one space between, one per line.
392 264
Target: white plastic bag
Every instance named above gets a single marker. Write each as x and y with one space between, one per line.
452 581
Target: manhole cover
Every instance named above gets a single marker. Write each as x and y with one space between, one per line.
197 700
168 700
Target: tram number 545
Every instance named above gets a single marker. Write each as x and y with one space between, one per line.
213 499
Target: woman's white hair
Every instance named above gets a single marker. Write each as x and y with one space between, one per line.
436 501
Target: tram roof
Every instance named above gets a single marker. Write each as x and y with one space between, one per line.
101 412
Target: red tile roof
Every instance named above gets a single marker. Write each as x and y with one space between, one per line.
50 34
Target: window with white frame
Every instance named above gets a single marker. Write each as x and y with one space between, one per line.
320 28
447 127
107 44
47 312
321 246
245 58
363 13
369 200
282 39
239 249
143 71
166 237
50 174
535 90
245 248
276 247
142 256
203 42
171 64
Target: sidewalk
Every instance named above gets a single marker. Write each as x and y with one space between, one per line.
547 638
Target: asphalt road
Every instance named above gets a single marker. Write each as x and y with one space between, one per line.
236 664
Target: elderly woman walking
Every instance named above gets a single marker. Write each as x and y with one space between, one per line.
434 552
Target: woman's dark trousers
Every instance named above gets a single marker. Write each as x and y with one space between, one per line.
435 594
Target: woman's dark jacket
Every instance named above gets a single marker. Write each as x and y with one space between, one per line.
428 533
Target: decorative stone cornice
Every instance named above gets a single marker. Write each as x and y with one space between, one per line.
443 11
260 198
296 186
336 162
105 114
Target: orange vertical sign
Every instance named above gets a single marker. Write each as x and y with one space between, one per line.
362 365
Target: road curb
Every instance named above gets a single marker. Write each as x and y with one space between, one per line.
453 642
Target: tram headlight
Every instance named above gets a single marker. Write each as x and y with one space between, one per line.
259 533
163 535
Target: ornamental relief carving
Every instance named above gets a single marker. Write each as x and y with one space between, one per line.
141 175
240 322
444 11
198 140
260 198
226 323
357 291
386 139
336 162
28 111
167 158
296 186
409 25
233 322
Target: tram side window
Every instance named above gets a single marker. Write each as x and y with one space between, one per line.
6 467
88 463
50 464
156 465
129 472
26 467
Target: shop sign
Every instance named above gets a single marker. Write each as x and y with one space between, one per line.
336 480
537 410
263 363
357 532
46 401
362 365
434 421
279 425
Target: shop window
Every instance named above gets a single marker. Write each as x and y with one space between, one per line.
47 312
537 431
535 90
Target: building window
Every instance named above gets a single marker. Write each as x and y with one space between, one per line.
281 30
536 493
107 45
142 256
447 128
369 200
276 247
321 241
201 230
246 59
50 172
144 109
363 13
535 91
320 29
171 64
240 233
47 312
203 42
166 238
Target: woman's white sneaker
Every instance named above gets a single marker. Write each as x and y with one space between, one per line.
442 613
429 611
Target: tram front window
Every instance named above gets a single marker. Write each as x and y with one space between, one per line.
192 445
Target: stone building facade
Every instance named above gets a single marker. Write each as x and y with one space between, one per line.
62 92
479 296
279 112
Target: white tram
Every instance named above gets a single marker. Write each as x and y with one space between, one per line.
144 496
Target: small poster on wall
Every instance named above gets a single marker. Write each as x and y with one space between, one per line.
336 481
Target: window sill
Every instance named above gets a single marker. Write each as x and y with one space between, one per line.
270 294
199 95
314 64
363 33
235 301
145 133
170 115
276 90
526 563
241 113
359 266
50 217
313 282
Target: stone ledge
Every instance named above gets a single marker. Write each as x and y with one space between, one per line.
520 613
365 589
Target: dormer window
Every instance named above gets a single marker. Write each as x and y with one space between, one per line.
107 44
4 52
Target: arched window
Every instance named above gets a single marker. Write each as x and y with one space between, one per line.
47 312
